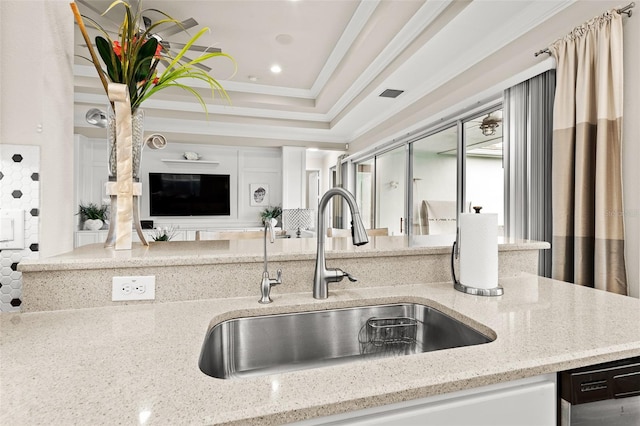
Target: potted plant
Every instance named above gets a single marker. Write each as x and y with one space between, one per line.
163 234
93 216
271 212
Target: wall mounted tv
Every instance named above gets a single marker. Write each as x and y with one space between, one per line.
188 194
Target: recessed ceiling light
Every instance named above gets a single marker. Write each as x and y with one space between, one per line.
276 69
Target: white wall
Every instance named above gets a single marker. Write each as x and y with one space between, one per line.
91 170
36 105
244 165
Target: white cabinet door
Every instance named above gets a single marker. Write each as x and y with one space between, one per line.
529 402
82 238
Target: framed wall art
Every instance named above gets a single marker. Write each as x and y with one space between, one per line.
259 194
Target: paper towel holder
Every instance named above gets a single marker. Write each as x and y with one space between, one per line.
495 291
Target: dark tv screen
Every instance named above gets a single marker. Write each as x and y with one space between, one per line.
188 194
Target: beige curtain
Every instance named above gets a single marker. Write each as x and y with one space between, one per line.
588 229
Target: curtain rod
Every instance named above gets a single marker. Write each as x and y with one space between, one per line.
624 10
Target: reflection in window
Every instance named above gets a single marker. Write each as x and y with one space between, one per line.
391 181
382 185
434 183
484 172
365 191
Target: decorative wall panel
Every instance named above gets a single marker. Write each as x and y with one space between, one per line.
19 189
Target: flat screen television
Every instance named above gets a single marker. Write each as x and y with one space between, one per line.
188 194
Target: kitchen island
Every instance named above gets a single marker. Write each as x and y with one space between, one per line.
194 270
138 364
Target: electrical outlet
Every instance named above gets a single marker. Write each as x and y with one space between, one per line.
134 288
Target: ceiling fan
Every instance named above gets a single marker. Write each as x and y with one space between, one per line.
162 36
490 124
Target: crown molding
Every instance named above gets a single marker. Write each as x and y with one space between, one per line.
184 106
354 28
216 128
418 23
462 56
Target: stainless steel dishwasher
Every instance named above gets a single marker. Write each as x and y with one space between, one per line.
598 395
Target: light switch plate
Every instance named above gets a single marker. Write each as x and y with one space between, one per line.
12 223
6 229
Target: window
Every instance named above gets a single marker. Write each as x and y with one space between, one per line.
426 181
391 184
365 191
434 165
484 173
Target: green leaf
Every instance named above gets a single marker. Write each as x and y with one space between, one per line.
107 55
144 59
137 66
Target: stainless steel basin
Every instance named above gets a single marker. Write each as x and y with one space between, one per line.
269 344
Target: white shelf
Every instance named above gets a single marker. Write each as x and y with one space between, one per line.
169 160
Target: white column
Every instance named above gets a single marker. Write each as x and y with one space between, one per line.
294 169
36 105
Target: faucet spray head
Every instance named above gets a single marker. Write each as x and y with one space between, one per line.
358 233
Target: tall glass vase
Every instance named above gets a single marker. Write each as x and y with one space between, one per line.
137 135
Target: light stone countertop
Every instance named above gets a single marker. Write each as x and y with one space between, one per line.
116 365
175 253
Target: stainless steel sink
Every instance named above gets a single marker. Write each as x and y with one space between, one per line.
255 346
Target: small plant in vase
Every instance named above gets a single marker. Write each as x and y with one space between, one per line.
92 216
271 212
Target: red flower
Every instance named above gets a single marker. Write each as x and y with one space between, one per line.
117 49
156 80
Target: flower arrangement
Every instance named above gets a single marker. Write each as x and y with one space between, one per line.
133 60
163 234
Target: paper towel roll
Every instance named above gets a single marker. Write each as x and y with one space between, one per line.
478 245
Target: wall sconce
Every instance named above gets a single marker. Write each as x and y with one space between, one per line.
96 117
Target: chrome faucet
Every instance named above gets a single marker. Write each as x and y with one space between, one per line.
267 282
324 276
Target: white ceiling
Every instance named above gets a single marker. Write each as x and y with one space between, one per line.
337 56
